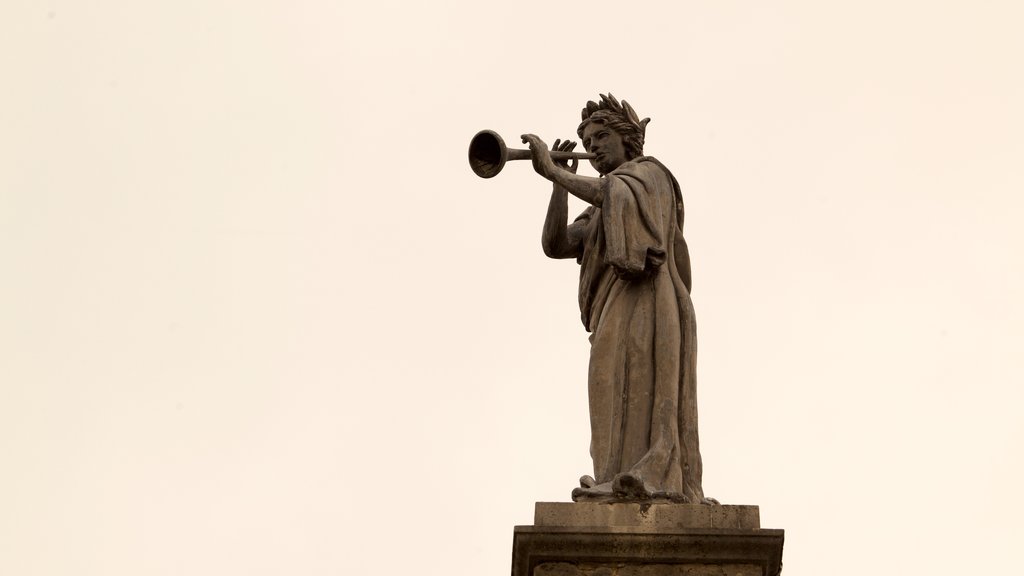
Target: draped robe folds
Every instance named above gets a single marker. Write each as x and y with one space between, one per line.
635 301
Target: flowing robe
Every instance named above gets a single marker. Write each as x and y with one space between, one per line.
635 300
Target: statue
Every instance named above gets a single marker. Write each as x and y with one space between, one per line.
634 295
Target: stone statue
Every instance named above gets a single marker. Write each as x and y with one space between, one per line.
634 295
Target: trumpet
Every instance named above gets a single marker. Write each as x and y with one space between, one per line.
488 154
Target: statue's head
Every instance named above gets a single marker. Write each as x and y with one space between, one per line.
613 131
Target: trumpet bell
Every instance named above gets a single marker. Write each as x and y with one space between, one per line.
487 154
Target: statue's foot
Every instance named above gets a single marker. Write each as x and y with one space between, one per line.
673 497
594 493
630 486
678 498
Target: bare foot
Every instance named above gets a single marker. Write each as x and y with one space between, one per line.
630 486
674 497
598 492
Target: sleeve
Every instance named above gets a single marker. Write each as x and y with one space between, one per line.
634 218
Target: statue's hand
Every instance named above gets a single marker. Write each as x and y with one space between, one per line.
566 146
542 161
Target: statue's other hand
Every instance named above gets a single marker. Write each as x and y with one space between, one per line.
566 146
542 162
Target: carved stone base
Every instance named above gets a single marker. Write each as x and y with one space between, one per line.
631 539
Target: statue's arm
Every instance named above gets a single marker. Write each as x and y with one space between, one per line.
558 239
590 190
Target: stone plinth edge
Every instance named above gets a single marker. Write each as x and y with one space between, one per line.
619 551
645 517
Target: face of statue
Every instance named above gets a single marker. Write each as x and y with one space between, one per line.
607 144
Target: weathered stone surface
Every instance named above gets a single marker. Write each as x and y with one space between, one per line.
558 569
625 551
592 569
649 517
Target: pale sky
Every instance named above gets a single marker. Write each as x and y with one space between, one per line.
257 316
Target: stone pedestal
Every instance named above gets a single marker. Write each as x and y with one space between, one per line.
636 539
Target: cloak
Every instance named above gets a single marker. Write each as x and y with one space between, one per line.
635 300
